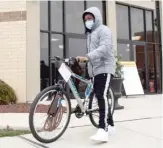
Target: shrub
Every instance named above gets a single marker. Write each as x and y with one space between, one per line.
7 94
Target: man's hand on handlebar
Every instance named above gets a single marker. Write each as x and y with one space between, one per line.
81 59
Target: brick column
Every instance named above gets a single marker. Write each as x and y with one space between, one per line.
33 49
111 20
20 47
13 46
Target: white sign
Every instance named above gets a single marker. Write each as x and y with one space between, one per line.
132 83
65 72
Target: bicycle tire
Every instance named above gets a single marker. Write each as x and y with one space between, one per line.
31 115
94 123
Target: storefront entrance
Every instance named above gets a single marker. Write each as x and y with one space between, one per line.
139 41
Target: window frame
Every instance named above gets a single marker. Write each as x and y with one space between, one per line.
129 6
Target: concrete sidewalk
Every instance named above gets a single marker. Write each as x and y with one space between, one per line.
135 108
130 134
138 126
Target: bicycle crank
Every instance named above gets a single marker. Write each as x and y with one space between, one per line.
78 112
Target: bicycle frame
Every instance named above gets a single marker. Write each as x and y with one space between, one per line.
76 94
89 89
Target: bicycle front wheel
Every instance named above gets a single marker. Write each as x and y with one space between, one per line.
47 112
93 103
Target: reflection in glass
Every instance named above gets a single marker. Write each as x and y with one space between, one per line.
151 68
57 45
77 47
155 20
137 24
149 29
44 15
122 22
73 12
157 39
44 63
123 51
140 62
56 50
56 16
158 66
148 15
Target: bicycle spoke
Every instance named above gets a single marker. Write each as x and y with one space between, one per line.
49 118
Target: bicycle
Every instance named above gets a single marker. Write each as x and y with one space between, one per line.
56 109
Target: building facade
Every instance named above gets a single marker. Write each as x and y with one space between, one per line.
33 31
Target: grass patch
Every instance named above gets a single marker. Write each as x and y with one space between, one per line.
11 133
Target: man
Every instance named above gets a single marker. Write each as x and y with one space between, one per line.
101 66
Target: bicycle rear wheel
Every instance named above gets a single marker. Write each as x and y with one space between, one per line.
50 107
94 116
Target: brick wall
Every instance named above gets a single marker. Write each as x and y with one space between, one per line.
13 46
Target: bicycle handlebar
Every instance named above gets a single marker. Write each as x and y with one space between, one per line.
57 58
67 60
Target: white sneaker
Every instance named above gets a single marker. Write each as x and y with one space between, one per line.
111 130
101 135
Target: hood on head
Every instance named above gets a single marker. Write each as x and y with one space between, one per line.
97 15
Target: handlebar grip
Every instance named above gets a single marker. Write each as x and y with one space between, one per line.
85 61
56 58
52 58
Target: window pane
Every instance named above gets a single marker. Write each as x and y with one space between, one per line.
57 45
137 24
97 4
77 47
123 51
158 67
122 22
155 20
140 63
156 28
44 63
151 68
56 16
149 26
56 50
73 12
44 15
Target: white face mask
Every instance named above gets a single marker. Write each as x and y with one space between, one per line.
89 24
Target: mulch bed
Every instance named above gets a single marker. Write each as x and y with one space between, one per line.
22 108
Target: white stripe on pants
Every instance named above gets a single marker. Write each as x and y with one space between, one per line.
106 100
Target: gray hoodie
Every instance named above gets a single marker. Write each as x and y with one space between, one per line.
100 46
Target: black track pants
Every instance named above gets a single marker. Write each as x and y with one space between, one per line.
101 85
